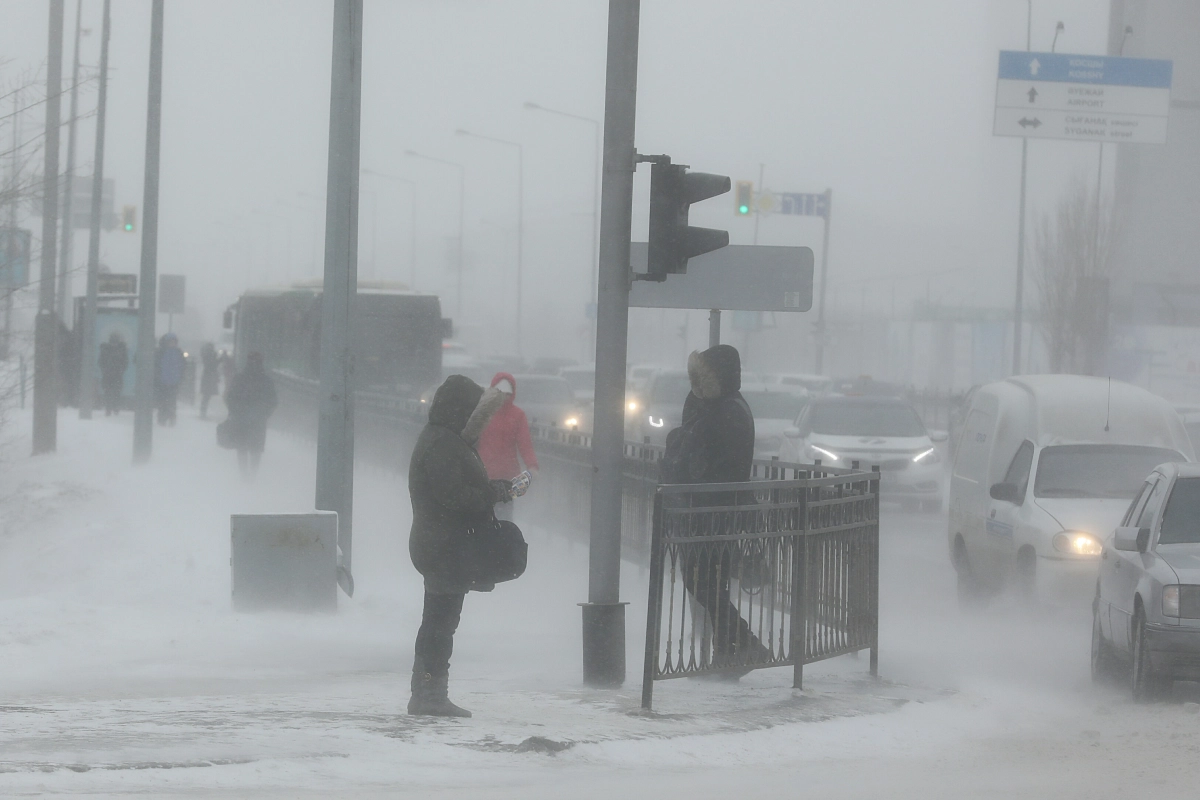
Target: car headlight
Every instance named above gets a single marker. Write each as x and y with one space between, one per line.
632 405
821 452
1077 543
929 456
1170 604
571 422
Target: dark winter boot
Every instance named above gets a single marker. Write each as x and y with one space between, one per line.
429 697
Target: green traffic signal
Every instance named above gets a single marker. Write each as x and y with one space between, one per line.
745 197
129 226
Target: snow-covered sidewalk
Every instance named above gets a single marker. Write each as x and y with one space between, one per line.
123 669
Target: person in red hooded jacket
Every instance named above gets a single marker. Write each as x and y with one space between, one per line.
505 444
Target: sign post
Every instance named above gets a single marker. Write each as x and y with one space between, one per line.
807 204
1078 98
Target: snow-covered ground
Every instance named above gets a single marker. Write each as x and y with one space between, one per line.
123 669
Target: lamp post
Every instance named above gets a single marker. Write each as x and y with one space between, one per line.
462 184
412 253
520 218
596 131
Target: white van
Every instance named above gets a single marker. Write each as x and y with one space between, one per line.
1044 469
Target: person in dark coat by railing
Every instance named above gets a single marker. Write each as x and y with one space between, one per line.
209 376
450 492
251 398
114 360
715 444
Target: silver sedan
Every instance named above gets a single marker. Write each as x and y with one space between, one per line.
1146 615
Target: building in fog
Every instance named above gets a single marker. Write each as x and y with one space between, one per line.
1155 288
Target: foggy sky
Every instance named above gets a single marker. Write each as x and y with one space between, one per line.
889 103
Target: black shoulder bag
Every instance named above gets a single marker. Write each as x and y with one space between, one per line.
496 552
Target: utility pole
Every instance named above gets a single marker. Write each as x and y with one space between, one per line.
604 613
1019 301
820 364
13 245
68 226
335 424
143 408
87 382
45 342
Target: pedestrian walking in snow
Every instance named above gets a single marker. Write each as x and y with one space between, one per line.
504 444
209 376
715 444
250 399
169 366
114 360
451 495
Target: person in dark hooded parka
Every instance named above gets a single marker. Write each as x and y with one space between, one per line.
450 493
250 399
715 444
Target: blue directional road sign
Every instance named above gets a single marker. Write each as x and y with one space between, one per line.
1082 98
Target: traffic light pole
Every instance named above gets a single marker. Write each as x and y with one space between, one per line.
45 341
820 365
87 387
143 406
335 423
604 613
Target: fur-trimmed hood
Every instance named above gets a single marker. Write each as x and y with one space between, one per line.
492 401
462 406
716 372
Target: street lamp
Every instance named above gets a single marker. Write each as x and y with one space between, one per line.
597 128
412 254
520 216
1059 28
462 182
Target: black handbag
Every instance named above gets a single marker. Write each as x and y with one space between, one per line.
496 552
228 434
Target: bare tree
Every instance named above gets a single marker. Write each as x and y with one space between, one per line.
1073 253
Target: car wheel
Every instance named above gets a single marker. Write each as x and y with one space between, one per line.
1104 661
1147 684
1027 575
970 593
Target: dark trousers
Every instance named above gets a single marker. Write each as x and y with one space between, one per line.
168 397
706 575
112 396
435 639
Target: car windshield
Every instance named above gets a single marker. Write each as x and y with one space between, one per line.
544 390
670 390
1181 517
1097 470
835 418
581 381
775 405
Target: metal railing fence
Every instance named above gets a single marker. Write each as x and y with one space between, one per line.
783 571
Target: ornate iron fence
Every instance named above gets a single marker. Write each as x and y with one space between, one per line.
783 571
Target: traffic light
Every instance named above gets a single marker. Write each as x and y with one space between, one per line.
128 218
744 197
672 241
